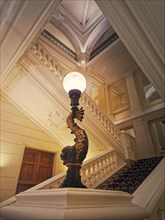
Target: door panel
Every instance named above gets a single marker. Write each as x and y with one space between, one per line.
27 172
36 167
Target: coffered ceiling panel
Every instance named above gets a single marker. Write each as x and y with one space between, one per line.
82 11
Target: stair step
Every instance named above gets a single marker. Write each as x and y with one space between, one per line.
130 177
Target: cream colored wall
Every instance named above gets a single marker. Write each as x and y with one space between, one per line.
129 109
18 132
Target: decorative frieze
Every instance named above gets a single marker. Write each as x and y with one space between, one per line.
59 44
104 45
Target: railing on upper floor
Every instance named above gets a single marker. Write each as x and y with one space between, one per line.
105 120
54 66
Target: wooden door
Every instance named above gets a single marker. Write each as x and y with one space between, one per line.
36 167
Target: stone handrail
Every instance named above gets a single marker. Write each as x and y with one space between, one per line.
59 71
129 146
99 169
105 120
93 171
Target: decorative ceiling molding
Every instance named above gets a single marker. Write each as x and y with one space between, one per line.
81 13
47 60
48 36
82 38
59 44
105 44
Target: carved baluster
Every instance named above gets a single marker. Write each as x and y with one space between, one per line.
115 133
89 177
95 111
109 163
94 176
43 59
91 174
114 160
109 127
84 175
102 167
102 119
106 164
106 123
93 108
98 169
118 135
38 52
51 65
112 129
99 116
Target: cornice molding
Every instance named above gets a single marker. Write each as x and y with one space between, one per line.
59 44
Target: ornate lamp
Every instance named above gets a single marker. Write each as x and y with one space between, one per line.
74 84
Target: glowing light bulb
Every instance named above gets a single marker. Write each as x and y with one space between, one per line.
74 80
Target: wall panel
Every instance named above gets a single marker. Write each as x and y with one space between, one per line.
18 132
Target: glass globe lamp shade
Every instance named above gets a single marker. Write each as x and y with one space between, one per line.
74 81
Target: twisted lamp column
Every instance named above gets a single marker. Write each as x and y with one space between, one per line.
73 156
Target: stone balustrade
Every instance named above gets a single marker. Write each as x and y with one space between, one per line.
48 61
56 68
93 171
108 124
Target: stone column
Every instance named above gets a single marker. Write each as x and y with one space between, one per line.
132 93
143 139
128 146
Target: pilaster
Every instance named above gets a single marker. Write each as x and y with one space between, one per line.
143 139
132 93
128 145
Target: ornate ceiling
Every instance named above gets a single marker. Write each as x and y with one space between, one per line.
82 11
